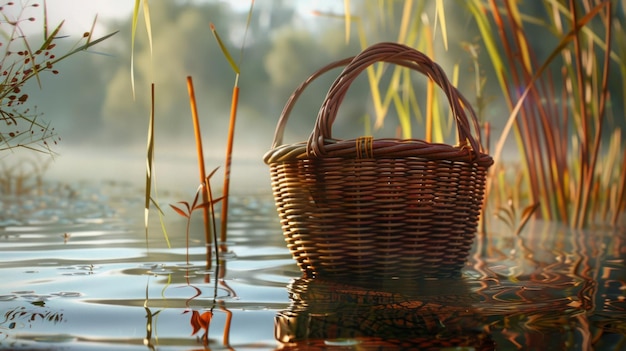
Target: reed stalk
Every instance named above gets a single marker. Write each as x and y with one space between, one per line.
231 135
232 121
201 168
229 153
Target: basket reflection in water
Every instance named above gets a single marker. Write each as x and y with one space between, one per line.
379 207
326 314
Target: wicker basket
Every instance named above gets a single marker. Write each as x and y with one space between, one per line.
379 208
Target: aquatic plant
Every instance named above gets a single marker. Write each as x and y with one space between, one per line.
231 131
201 167
150 179
514 221
23 58
558 132
187 209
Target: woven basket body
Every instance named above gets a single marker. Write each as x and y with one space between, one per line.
379 207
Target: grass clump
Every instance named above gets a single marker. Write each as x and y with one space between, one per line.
22 59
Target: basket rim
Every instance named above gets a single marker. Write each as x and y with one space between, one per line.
381 148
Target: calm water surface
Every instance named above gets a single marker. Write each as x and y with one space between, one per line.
76 274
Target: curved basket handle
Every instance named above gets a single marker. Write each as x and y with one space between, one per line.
402 55
284 115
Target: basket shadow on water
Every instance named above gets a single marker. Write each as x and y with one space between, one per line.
379 207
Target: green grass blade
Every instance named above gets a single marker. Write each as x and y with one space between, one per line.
347 18
407 15
245 34
149 164
479 12
441 19
225 51
146 15
132 44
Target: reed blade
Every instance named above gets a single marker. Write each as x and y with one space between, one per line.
225 51
149 163
132 44
347 18
441 19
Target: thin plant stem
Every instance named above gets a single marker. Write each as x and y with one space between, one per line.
589 176
149 164
229 152
201 168
233 118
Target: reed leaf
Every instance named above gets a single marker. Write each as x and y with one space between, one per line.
225 51
479 13
132 44
407 15
441 18
148 21
149 163
347 18
151 177
525 217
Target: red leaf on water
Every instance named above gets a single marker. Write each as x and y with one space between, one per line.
200 321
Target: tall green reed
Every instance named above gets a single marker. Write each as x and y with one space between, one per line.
558 132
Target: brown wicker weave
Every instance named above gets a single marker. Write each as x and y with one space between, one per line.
379 207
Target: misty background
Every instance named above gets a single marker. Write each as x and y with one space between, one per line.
103 129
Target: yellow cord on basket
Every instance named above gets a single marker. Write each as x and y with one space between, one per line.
365 147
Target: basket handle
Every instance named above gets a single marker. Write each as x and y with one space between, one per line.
284 115
395 53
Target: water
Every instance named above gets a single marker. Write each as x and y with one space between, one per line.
77 275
